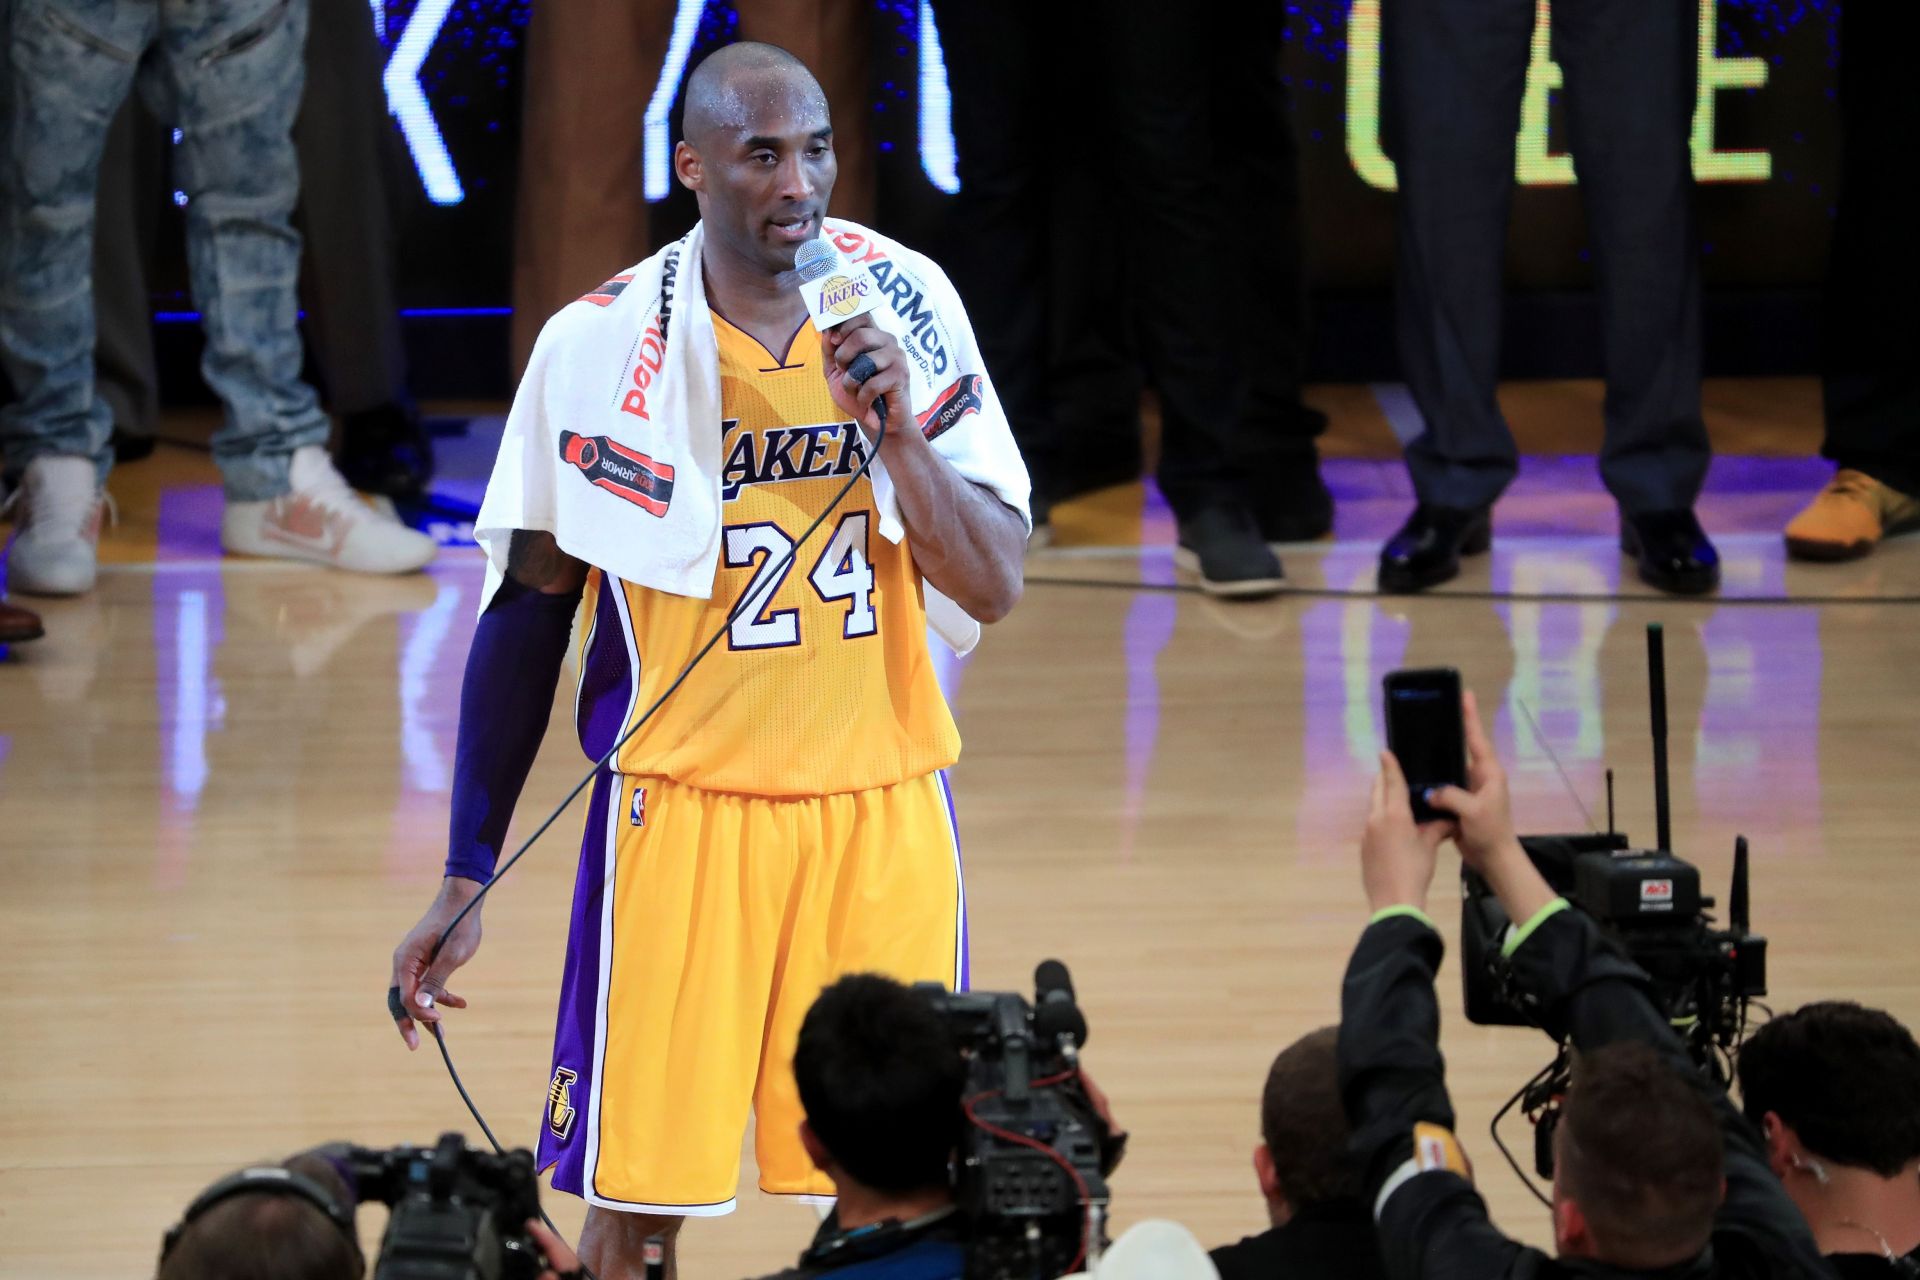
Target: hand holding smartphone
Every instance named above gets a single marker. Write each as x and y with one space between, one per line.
1426 734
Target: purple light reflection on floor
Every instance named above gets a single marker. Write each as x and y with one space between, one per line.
188 527
431 666
1147 632
1552 712
1562 494
1756 746
189 617
1348 647
1553 494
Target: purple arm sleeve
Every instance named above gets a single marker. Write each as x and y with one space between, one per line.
505 700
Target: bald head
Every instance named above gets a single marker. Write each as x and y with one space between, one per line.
739 83
758 156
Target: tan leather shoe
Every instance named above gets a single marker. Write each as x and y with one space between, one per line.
1848 518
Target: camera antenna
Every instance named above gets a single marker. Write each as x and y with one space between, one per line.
1657 695
1737 910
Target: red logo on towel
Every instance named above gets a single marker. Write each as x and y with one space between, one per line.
648 354
623 472
606 293
857 247
955 403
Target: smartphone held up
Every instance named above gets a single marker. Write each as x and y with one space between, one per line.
1426 734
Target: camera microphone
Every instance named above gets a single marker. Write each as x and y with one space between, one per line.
1055 1012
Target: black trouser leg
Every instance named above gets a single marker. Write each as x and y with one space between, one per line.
996 63
1094 379
1870 367
1630 76
347 214
1164 62
1452 74
126 224
1259 166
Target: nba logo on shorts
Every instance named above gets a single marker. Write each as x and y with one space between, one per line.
638 814
560 1110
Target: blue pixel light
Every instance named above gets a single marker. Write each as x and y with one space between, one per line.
656 145
937 157
408 102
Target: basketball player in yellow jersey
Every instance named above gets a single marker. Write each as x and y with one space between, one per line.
783 819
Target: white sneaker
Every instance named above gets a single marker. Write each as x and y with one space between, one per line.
320 519
56 531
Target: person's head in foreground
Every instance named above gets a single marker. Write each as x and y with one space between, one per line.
1638 1166
880 1080
275 1229
1835 1090
1302 1158
293 1221
757 155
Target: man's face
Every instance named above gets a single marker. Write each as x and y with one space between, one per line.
764 170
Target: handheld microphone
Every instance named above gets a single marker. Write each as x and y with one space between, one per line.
836 291
1055 1011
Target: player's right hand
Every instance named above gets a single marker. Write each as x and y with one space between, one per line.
423 990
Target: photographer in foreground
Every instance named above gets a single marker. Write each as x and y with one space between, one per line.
949 1125
1310 1181
1655 1173
880 1080
295 1220
1835 1090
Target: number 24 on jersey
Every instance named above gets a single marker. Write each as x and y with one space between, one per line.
842 572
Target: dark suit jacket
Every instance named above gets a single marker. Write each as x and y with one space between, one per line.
1333 1240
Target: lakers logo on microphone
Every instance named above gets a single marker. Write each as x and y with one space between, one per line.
840 295
560 1112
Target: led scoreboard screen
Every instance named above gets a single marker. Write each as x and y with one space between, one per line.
1764 138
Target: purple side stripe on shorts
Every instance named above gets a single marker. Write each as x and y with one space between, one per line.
573 1036
960 887
606 676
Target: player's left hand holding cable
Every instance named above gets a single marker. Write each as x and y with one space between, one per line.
840 347
422 991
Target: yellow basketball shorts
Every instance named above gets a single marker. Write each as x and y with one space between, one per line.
704 924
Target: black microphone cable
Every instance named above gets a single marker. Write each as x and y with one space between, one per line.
856 375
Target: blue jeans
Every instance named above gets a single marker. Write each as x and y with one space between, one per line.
228 73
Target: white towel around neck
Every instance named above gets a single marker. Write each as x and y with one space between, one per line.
628 379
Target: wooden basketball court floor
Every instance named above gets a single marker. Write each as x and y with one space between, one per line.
223 793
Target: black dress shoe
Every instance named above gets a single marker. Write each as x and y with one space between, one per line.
1427 550
386 451
1223 545
1672 550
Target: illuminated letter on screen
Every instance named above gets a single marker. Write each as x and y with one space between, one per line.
1535 164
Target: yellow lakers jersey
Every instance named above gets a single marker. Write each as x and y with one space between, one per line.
824 683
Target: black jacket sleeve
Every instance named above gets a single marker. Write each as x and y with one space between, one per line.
1583 987
1392 1079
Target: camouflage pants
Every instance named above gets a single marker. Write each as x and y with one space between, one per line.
228 74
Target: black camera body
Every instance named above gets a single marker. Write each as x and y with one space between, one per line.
1650 903
1030 1177
456 1213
